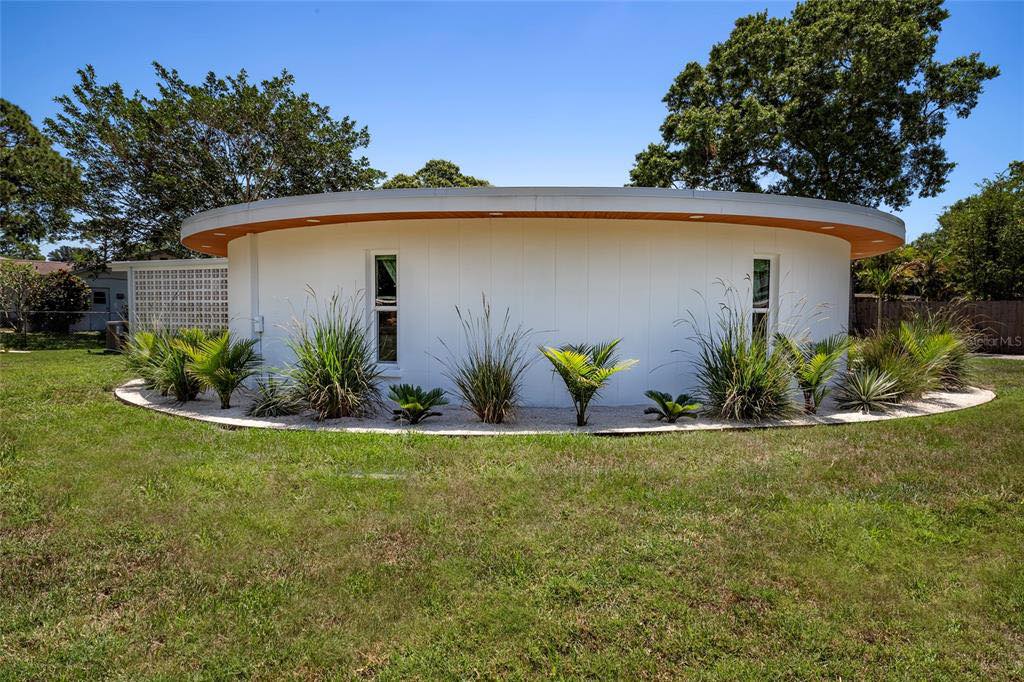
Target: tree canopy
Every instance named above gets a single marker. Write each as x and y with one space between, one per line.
435 173
149 162
38 187
841 100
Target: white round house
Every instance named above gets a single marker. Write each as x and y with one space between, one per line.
572 264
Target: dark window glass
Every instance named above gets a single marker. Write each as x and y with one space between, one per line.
762 282
387 335
386 292
99 298
760 325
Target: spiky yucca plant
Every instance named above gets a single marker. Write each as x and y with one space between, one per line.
814 365
414 403
222 365
670 409
335 369
585 369
868 389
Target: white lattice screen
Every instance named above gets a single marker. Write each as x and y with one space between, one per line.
172 298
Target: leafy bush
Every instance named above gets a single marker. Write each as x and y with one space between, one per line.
274 398
669 409
740 376
868 390
489 377
222 364
814 364
335 370
585 369
414 403
173 375
144 352
58 300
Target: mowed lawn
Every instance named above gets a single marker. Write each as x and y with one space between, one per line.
135 545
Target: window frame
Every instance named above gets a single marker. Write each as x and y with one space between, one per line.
772 309
371 303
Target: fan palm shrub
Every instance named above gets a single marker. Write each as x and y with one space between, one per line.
670 409
335 369
143 354
173 375
868 389
274 398
488 376
414 403
814 365
221 364
585 369
741 376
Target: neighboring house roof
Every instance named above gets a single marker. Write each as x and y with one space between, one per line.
43 267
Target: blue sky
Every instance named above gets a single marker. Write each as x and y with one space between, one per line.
519 94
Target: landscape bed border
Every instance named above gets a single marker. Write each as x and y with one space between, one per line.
134 394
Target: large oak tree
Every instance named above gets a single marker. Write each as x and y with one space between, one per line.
150 161
842 100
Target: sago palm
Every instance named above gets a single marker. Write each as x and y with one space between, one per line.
415 403
585 369
220 364
814 365
671 409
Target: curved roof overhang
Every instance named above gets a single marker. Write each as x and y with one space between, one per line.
869 231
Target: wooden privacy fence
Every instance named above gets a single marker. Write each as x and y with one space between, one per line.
1001 323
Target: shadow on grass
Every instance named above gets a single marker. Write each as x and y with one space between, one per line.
12 340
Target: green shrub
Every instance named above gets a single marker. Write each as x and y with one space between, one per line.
222 365
414 403
274 398
335 370
867 390
814 364
740 376
585 369
58 301
669 409
489 376
143 353
173 375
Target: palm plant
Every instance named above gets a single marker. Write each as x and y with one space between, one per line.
585 369
489 377
414 403
144 353
335 370
274 398
669 409
868 389
173 375
222 365
883 281
814 365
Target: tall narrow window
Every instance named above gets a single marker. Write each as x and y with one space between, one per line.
385 306
762 286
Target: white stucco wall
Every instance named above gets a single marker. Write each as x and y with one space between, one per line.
571 280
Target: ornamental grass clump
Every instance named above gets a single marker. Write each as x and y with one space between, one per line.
335 371
740 376
221 364
585 369
415 403
274 398
814 365
670 409
488 375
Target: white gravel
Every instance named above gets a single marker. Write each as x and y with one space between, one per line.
456 421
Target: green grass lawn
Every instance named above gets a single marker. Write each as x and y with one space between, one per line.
136 545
